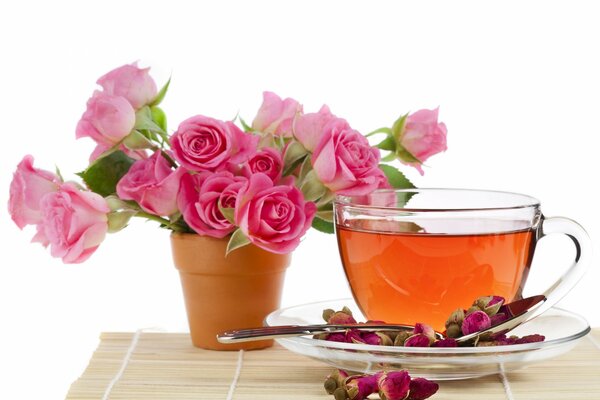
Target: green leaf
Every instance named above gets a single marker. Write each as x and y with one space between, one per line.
238 239
161 94
102 176
322 225
228 213
389 158
406 156
137 141
118 220
159 116
398 127
294 154
247 128
395 177
388 144
312 188
380 130
325 215
143 120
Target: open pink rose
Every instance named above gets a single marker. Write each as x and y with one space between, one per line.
345 162
423 136
152 184
74 223
273 217
268 161
309 128
276 115
207 144
107 119
133 83
28 186
199 199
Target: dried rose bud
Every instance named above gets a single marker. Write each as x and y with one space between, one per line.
531 339
456 317
336 337
341 318
453 331
426 330
359 387
335 380
353 336
401 338
489 304
421 389
340 394
498 318
327 313
394 385
418 340
447 342
371 338
385 340
475 322
472 309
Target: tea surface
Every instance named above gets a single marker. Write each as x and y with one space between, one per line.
418 277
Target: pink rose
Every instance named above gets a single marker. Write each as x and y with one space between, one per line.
107 119
152 184
74 223
133 83
27 188
268 161
345 162
273 217
206 144
423 137
309 128
199 199
275 115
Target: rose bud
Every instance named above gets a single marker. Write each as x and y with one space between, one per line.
337 337
426 330
475 322
421 389
489 304
372 338
472 309
335 380
531 339
340 394
393 385
341 318
385 340
327 313
401 338
453 331
447 342
359 387
418 340
456 317
498 318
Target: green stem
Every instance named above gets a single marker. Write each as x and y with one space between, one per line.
160 220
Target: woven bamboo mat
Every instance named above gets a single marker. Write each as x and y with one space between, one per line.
153 366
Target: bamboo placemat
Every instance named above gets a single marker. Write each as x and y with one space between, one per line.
156 366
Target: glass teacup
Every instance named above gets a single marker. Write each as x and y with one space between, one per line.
416 255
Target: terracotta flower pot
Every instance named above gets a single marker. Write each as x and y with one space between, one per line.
223 293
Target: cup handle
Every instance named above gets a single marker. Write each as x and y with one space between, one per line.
583 248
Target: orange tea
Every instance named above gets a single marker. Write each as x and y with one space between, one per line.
420 277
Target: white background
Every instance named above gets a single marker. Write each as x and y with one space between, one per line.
517 84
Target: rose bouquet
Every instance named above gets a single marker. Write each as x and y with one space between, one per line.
264 183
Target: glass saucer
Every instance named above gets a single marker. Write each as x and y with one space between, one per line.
562 330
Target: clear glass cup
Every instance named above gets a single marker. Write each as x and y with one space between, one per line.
415 255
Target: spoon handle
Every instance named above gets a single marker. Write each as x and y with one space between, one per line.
271 332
